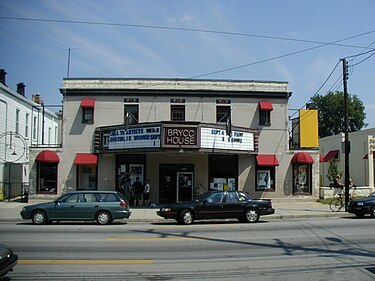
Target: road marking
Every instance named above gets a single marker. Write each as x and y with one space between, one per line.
152 239
33 262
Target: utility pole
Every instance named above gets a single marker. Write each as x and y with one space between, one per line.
346 140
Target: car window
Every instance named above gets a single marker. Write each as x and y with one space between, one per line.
87 197
232 197
215 198
242 197
107 197
72 198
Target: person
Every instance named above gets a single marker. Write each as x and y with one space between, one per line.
146 193
337 182
138 192
200 190
125 185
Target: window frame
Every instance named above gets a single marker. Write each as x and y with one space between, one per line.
87 115
223 112
134 113
264 117
271 172
178 110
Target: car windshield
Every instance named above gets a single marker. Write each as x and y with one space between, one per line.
372 194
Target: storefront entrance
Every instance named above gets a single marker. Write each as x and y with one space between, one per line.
176 183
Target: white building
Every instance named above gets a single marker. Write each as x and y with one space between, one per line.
21 127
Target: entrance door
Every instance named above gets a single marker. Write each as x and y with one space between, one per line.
184 186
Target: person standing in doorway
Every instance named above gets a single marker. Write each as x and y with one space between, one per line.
138 192
146 193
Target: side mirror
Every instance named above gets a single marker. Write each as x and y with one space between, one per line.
204 202
57 202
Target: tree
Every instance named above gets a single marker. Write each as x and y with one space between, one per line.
333 170
332 113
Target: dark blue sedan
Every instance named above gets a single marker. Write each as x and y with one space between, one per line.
361 207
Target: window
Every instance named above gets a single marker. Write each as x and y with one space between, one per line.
27 117
178 113
86 177
35 127
222 114
131 114
17 121
223 172
49 135
265 178
47 177
87 115
264 117
215 198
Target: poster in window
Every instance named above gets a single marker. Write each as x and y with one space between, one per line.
301 178
136 170
264 179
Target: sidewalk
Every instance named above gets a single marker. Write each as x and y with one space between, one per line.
10 211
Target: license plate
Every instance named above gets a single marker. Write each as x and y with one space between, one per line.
359 203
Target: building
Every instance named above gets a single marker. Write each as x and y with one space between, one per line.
24 123
178 134
361 159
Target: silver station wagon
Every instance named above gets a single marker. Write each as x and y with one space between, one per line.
102 206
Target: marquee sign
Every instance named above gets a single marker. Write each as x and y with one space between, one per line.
180 136
146 137
218 139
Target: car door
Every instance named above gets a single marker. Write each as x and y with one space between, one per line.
232 206
86 206
64 208
211 207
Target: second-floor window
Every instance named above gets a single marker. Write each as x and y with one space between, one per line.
35 127
222 114
17 121
27 117
87 114
178 113
131 114
265 109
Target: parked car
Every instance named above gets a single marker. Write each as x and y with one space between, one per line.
7 260
362 206
218 205
102 206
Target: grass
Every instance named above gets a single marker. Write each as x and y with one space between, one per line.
328 200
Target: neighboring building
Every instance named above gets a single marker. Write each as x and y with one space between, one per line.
361 157
21 127
179 133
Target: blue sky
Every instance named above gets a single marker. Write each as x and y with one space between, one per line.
36 52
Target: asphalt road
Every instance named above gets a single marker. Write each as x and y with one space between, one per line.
315 249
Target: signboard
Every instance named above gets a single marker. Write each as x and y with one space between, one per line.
146 137
218 139
180 137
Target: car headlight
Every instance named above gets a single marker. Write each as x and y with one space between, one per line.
165 209
24 209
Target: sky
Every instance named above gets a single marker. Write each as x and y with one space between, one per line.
294 41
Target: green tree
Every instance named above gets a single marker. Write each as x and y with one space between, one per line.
333 170
332 113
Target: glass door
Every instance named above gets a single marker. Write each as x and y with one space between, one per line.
184 186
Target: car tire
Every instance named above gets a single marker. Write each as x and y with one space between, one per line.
103 217
186 217
251 215
39 217
372 212
359 215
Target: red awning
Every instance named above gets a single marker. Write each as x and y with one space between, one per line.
86 159
366 156
302 157
330 155
47 156
267 160
88 103
321 159
265 105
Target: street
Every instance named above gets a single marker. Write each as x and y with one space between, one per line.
311 249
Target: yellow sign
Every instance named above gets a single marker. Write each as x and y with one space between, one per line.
308 128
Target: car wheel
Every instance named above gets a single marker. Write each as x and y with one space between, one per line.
186 217
252 215
373 212
103 217
359 215
39 217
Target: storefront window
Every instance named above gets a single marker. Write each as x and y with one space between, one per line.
265 178
86 179
223 172
301 179
47 177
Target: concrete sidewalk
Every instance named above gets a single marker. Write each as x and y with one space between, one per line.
284 209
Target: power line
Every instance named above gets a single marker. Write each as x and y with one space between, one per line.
184 29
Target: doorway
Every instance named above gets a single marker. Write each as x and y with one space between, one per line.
176 182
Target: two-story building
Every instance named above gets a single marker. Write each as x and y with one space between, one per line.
24 123
177 133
